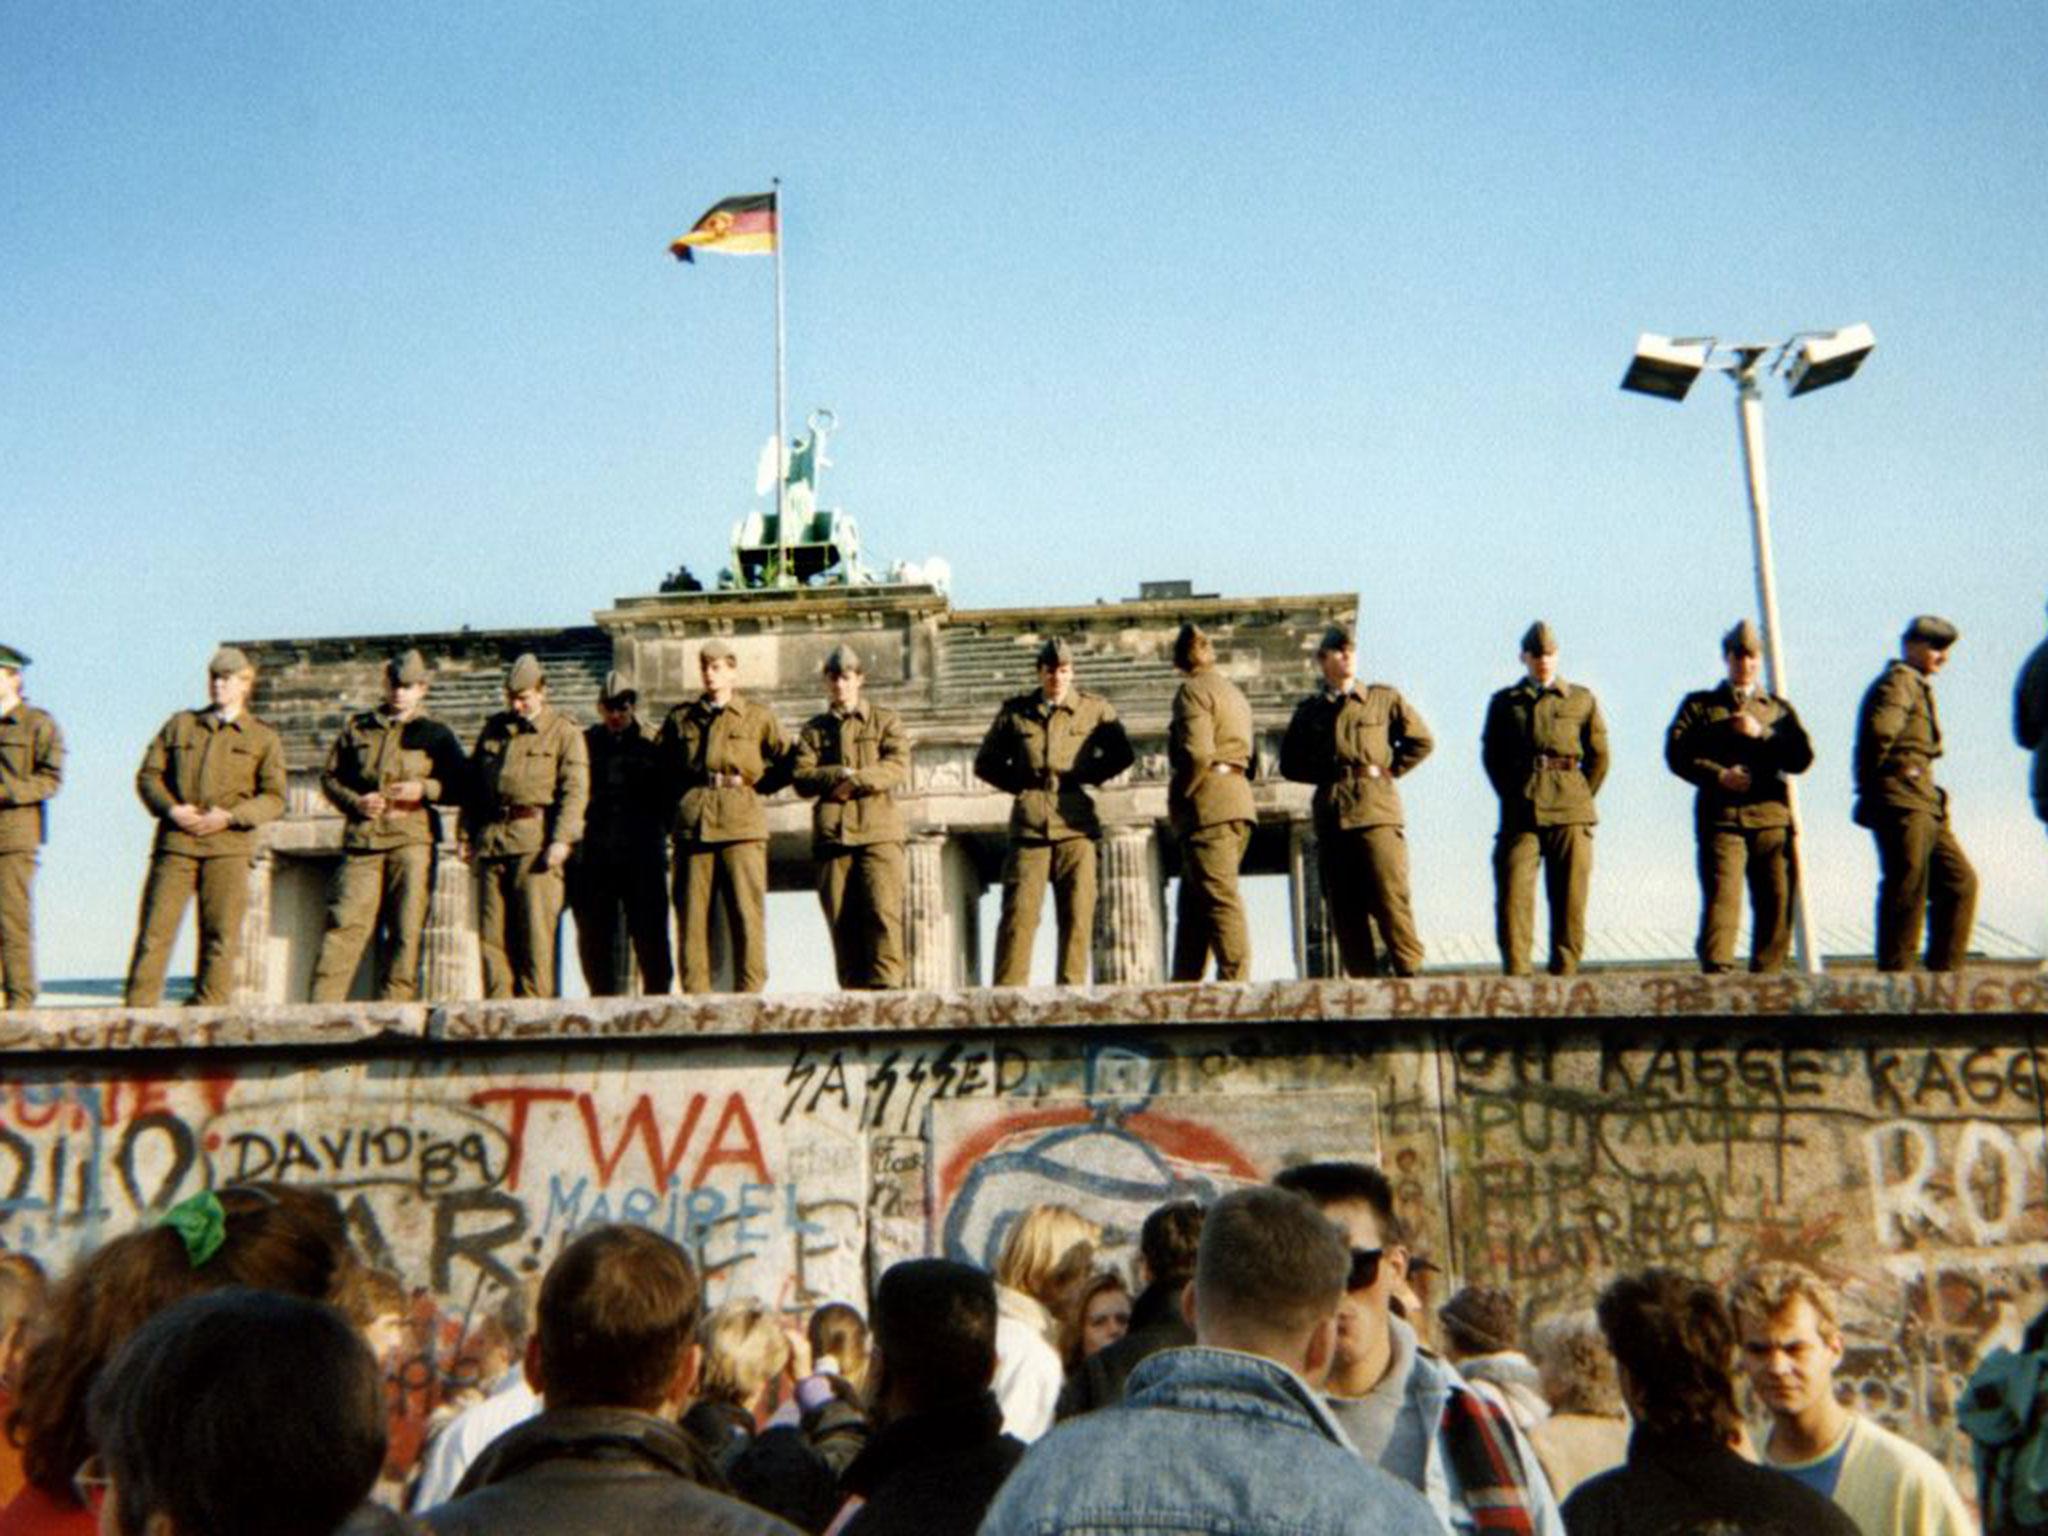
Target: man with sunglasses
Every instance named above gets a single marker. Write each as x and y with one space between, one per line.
1406 1410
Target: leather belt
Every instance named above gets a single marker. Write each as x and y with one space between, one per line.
1364 771
725 780
523 813
391 805
1226 767
1560 764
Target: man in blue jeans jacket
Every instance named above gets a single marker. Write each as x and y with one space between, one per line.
1227 1436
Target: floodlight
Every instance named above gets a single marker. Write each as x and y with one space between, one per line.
1663 367
1828 358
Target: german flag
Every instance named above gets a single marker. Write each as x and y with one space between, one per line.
739 226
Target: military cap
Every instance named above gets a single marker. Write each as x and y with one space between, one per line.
1056 652
407 669
1539 639
617 685
1937 632
526 673
229 660
715 649
1745 637
1336 638
10 657
844 659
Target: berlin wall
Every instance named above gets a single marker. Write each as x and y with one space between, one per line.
1542 1134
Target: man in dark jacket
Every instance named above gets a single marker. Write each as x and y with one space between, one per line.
1167 1245
2030 720
614 1359
939 1452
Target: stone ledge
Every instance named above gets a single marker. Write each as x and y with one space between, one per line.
1636 996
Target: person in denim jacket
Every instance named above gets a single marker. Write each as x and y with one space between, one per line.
1227 1436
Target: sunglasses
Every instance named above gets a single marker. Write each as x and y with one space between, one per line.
1365 1268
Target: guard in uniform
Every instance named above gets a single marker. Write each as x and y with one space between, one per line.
1923 875
211 777
1737 744
1209 802
851 760
1352 740
1544 747
721 755
1047 747
620 869
387 771
31 768
529 790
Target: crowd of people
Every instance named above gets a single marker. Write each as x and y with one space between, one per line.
620 821
1274 1364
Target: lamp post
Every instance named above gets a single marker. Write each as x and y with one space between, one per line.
1808 360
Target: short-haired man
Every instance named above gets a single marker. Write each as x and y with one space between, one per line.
615 1359
620 869
1791 1345
1408 1412
530 788
1210 747
2030 720
722 755
1352 740
1048 747
1736 744
851 758
1228 1436
387 770
1923 875
938 1453
211 777
31 768
1544 747
1167 1245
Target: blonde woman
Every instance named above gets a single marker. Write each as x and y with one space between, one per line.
1049 1251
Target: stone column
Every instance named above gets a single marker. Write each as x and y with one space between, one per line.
252 964
451 963
931 947
1315 946
1130 906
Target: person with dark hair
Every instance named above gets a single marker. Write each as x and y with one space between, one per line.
1482 1331
1674 1346
938 1452
1228 1436
1210 747
615 1358
1405 1410
266 1236
239 1413
618 875
1167 1244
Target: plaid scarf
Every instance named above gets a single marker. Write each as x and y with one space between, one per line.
1479 1445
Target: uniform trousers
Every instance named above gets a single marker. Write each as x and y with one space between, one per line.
1729 859
735 875
860 888
1069 866
518 924
1365 889
1208 913
380 893
17 930
605 892
222 886
1923 877
1567 856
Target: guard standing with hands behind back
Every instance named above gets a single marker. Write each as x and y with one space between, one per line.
1209 801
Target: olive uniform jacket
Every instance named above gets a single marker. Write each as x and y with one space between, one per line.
1047 755
867 749
1703 741
31 768
699 745
1898 737
1525 723
1209 749
628 815
1352 746
200 759
522 767
376 750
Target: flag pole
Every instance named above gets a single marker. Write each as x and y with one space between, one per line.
781 393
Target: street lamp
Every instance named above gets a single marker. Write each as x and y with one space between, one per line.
1666 367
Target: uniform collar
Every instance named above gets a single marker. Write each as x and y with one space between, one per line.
216 721
1046 706
711 711
858 712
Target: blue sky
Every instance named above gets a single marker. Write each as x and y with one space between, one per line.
323 319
